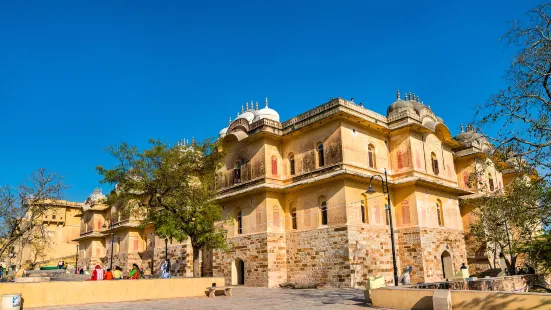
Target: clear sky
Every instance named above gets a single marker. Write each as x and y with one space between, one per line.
77 77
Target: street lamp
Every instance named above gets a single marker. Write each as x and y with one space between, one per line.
76 262
370 190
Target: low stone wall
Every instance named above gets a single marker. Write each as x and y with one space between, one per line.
505 284
59 293
421 299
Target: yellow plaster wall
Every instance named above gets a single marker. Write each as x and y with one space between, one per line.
303 146
253 208
275 203
59 293
374 203
426 207
355 141
307 202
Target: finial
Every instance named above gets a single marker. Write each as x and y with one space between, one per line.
229 123
247 107
242 110
266 101
406 97
398 95
257 105
192 141
461 126
237 114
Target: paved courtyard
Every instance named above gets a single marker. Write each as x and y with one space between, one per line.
246 298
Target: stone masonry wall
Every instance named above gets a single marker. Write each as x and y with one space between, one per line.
410 252
370 253
252 249
434 241
180 256
319 256
277 259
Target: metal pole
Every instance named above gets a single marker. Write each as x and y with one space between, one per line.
112 244
391 232
512 271
76 261
166 249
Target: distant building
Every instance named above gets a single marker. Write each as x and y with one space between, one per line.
63 224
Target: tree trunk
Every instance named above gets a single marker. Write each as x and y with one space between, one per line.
196 267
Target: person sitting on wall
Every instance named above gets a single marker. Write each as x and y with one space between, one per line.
109 274
135 273
117 273
463 266
165 270
98 274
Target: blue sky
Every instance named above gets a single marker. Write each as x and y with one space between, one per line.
76 77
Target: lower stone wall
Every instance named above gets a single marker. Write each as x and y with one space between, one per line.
277 259
180 257
410 253
319 256
434 241
252 249
370 254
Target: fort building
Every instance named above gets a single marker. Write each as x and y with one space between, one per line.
295 192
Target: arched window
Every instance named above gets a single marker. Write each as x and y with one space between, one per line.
321 160
434 163
237 172
292 163
274 165
323 213
439 213
362 210
293 217
239 222
491 182
371 156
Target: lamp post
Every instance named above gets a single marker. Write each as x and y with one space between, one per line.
384 185
76 262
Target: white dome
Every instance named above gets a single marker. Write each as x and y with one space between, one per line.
223 132
266 113
249 116
97 195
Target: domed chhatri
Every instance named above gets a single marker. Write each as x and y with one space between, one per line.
468 135
267 113
252 114
96 196
247 114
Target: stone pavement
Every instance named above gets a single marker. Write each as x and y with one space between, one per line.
246 298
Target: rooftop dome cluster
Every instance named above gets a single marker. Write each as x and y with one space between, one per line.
412 103
252 114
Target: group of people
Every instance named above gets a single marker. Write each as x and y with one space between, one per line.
101 274
61 264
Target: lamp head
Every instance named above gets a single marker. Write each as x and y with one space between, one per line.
370 190
104 226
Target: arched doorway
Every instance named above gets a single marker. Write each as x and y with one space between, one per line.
447 265
238 272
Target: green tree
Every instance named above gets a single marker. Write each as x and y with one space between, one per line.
508 221
175 186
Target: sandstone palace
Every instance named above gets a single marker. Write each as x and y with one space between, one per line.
296 191
295 196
